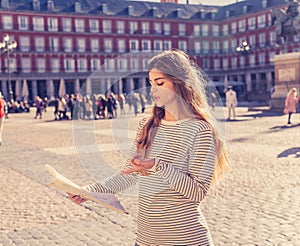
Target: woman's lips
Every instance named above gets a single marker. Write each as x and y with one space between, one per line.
156 98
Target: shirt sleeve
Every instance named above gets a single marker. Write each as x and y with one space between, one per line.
118 182
195 183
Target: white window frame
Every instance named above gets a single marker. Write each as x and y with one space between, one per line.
122 64
205 30
24 43
79 25
41 65
134 45
39 44
120 27
197 30
52 24
157 28
94 45
53 44
68 45
146 45
233 27
145 28
216 30
94 25
182 45
26 64
69 65
133 27
95 64
181 30
109 65
82 65
67 24
158 45
121 45
252 23
134 64
197 47
167 45
167 29
107 26
108 45
242 25
7 22
38 23
23 22
55 65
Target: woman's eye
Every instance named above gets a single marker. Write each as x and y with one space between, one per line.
160 84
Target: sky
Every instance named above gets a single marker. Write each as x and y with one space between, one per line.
205 2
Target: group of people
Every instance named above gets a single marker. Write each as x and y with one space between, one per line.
86 107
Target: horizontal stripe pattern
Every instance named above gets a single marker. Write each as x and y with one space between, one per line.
169 198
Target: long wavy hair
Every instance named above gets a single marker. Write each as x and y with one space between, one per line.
189 85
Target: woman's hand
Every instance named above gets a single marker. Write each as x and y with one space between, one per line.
139 165
76 198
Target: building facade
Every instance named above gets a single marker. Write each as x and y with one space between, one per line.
98 46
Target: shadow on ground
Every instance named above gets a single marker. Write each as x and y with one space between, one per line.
294 152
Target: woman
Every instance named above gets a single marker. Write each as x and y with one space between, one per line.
291 102
178 152
2 115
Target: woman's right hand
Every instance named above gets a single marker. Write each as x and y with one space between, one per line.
76 198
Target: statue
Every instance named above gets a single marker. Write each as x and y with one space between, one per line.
285 21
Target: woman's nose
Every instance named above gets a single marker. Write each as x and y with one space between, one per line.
153 89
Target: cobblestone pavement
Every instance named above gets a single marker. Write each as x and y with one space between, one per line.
256 204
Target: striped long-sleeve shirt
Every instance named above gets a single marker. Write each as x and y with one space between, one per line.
169 198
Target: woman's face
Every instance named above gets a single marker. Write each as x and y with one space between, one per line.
162 89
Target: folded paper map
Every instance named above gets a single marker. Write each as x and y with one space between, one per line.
106 200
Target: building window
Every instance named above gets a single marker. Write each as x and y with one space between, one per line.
197 30
121 45
272 38
120 27
216 63
157 45
68 47
55 65
233 27
234 62
109 65
26 65
197 47
205 47
252 60
262 58
69 65
122 65
67 24
233 45
24 43
107 26
225 46
146 45
204 30
182 45
252 41
107 45
95 64
181 30
216 47
133 27
262 40
52 25
81 44
94 45
38 23
251 23
167 29
225 63
94 25
216 30
79 25
145 28
206 64
225 30
53 44
7 22
157 28
242 25
41 65
39 43
261 21
145 64
23 22
82 65
167 45
134 45
134 64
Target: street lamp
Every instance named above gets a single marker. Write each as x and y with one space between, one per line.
6 46
244 50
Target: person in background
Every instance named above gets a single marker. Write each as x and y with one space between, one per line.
231 102
177 154
2 115
39 107
291 102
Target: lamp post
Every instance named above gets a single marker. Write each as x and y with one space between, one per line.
6 46
244 50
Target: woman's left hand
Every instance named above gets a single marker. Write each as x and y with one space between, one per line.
139 165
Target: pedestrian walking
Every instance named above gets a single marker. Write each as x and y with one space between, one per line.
231 102
39 107
290 103
2 115
177 154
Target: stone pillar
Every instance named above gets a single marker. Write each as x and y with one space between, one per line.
287 76
269 81
50 89
129 85
18 90
77 86
34 89
4 89
102 86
